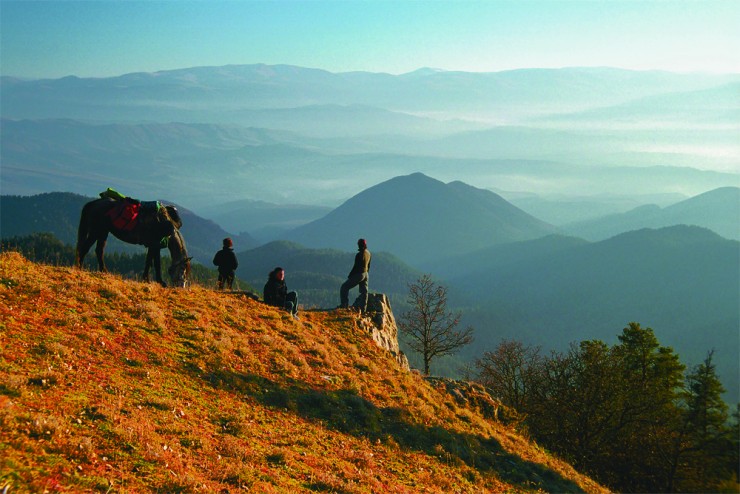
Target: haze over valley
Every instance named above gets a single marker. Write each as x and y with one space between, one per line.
298 136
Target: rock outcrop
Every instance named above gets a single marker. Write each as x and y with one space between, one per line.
476 397
381 324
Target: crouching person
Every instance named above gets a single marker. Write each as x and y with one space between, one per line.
276 292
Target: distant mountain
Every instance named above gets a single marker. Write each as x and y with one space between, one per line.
689 144
219 94
196 165
56 212
718 210
59 213
500 257
170 137
317 274
683 281
202 165
345 121
716 105
187 162
420 219
204 237
262 219
560 209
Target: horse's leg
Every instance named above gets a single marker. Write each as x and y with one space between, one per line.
100 249
148 263
157 259
83 247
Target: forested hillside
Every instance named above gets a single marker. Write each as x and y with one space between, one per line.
631 413
682 281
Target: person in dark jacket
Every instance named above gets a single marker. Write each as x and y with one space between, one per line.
226 261
276 292
357 276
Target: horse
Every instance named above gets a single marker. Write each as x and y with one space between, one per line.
152 230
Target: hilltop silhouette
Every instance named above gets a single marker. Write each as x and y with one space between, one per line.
420 219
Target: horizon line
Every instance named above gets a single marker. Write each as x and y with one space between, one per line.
430 70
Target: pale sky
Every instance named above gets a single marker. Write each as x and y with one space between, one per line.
101 38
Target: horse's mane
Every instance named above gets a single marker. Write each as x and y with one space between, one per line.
180 250
170 213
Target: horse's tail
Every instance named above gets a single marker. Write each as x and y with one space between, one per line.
83 231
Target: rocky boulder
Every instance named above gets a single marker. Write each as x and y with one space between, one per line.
379 321
476 397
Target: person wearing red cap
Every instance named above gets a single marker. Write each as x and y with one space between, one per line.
358 276
226 261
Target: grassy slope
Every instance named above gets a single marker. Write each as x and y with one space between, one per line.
113 385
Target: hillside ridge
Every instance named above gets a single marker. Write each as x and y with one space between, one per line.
117 385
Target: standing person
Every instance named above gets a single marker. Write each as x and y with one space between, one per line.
226 261
358 276
276 292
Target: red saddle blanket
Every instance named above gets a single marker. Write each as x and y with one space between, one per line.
125 214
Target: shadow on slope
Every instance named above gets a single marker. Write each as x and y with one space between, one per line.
347 412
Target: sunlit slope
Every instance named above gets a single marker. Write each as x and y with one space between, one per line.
113 385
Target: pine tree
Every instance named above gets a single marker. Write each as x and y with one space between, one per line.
706 442
648 413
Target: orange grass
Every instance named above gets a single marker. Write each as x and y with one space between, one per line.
110 385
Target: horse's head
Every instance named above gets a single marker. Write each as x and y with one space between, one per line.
179 272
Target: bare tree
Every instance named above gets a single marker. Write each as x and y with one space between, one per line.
428 324
510 371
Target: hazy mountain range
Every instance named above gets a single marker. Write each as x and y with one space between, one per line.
684 282
290 135
263 220
718 210
543 184
202 166
206 94
525 279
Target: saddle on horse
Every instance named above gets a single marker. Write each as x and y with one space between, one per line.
127 212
